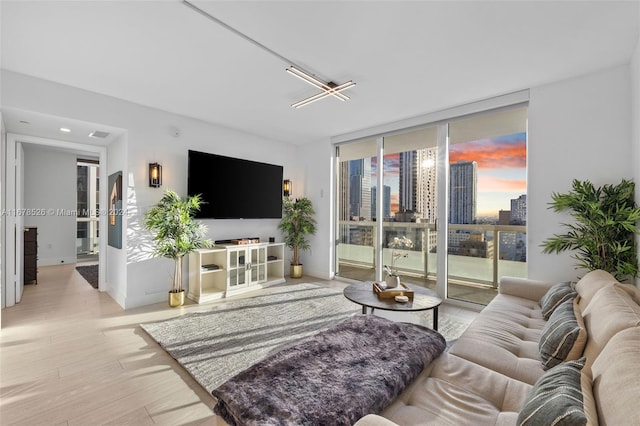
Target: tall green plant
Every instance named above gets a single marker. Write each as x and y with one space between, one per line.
603 234
176 232
296 224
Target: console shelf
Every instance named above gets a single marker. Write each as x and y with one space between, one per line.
239 268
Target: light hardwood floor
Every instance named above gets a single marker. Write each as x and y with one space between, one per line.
69 355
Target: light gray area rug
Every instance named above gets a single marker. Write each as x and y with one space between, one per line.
217 344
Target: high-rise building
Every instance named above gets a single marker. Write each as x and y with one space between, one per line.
344 204
360 188
519 210
386 201
426 192
407 181
463 191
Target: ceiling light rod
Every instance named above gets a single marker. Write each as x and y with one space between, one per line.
328 88
236 32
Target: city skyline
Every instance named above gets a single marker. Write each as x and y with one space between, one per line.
501 163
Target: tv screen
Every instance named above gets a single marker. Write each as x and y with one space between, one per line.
233 188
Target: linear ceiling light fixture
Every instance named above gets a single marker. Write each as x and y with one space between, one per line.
328 88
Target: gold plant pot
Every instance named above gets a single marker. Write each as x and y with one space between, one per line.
296 271
176 299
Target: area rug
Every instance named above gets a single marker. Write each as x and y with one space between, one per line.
89 273
334 377
217 344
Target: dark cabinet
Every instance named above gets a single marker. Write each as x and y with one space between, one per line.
30 245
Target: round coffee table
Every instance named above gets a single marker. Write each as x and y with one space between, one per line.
423 300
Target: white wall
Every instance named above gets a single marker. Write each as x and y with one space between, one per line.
635 122
116 259
150 138
316 185
3 269
50 180
578 129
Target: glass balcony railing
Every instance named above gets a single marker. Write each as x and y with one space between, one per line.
478 255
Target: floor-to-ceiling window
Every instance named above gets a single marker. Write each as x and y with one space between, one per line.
388 211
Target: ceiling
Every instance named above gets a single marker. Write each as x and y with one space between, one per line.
407 58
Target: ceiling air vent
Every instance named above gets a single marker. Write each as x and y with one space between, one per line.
98 134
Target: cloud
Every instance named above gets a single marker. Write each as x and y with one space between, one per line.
494 184
492 153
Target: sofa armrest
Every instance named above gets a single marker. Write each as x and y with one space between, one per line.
522 287
374 420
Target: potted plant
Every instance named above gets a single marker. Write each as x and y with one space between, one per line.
176 234
603 234
296 224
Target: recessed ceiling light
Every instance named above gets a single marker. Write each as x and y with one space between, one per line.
65 130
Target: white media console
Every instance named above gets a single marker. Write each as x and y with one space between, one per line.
229 269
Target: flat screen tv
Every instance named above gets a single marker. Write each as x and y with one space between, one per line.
233 188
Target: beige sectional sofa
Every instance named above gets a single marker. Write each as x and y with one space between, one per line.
486 376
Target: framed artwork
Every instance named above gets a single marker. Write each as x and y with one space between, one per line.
115 210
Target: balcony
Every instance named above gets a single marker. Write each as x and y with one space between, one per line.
478 255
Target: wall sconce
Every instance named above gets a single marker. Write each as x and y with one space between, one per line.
155 175
286 187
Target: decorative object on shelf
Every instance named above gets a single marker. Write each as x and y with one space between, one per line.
176 234
286 187
296 224
398 244
604 233
155 175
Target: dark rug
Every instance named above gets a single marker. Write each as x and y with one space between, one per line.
89 273
334 377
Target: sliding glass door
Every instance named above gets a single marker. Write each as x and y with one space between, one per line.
487 203
355 232
467 174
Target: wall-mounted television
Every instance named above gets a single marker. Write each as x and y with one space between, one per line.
233 188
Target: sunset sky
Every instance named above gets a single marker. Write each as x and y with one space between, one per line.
501 171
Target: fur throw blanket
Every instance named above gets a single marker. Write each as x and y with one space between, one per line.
332 378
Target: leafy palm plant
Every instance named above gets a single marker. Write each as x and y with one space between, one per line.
603 234
176 233
297 222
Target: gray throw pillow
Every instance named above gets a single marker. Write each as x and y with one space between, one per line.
556 398
560 334
557 294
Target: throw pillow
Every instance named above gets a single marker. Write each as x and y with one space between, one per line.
557 294
556 398
563 337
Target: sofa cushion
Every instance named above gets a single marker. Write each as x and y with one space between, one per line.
556 398
564 336
610 311
504 337
591 283
556 295
472 394
616 383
